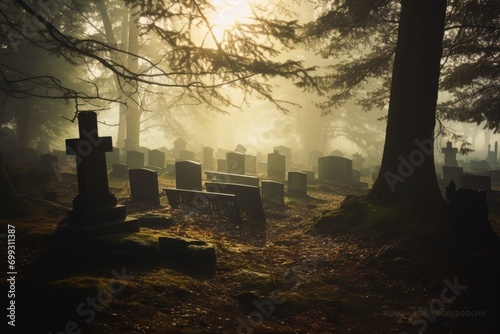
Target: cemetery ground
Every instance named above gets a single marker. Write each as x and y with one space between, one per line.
280 277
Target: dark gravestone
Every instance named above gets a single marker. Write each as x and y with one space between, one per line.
144 186
452 174
248 198
135 159
113 157
335 169
222 206
450 155
186 155
297 184
356 175
94 208
235 163
286 151
208 158
250 164
188 175
119 171
156 159
273 192
221 165
276 166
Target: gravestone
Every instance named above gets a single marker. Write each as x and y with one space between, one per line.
273 192
314 155
208 158
475 182
276 166
494 175
188 175
297 184
186 155
286 151
119 171
144 150
95 209
311 176
240 149
450 155
135 159
221 165
451 173
479 166
356 175
156 159
335 169
251 180
250 164
337 153
235 163
113 157
144 186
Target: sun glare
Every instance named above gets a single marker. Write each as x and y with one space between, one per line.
227 13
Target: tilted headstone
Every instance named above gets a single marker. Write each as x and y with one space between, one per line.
208 158
450 155
188 175
235 163
297 184
273 192
95 208
156 158
221 165
335 169
276 166
144 186
135 159
250 164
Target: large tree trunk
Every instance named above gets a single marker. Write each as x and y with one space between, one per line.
407 176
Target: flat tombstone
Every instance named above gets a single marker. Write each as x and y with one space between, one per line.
135 159
208 158
188 175
221 165
276 166
335 169
250 164
186 155
144 186
297 184
235 163
156 158
475 182
452 173
273 192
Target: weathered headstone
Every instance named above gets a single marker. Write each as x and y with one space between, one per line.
276 166
135 159
208 158
250 164
235 163
188 175
144 186
450 155
273 192
335 169
156 158
297 184
221 165
94 208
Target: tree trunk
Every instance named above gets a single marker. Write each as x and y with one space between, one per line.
407 176
11 201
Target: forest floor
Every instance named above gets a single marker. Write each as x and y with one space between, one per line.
281 277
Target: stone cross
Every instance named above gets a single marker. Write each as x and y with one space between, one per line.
450 155
91 169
